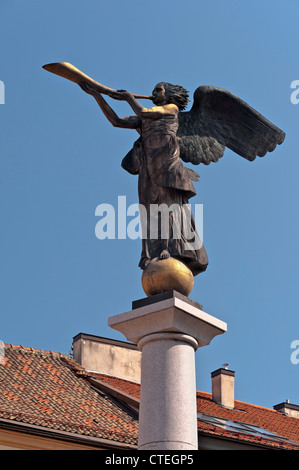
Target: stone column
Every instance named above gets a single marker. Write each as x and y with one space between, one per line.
167 328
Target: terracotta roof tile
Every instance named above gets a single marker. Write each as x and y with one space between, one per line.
266 418
126 386
42 388
51 390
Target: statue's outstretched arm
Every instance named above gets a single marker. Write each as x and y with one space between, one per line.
156 112
129 122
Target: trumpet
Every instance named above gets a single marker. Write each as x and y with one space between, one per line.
68 71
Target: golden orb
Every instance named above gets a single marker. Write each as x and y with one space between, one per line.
162 275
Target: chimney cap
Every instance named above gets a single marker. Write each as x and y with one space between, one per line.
223 371
286 404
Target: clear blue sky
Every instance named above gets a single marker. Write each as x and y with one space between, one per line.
60 159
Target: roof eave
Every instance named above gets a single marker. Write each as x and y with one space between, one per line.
42 431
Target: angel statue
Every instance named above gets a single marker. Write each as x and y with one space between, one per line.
170 135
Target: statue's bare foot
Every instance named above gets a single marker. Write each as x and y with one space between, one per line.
164 254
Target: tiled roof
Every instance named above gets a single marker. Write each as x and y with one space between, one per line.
52 391
126 386
286 427
268 419
48 389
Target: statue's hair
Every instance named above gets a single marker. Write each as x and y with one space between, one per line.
177 95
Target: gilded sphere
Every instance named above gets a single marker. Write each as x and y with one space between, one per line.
162 275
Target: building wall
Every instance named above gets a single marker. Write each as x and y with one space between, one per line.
112 357
12 440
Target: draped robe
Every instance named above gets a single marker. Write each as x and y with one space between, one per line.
163 179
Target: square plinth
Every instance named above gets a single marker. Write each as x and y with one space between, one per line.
169 312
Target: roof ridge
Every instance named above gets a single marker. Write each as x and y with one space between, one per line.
35 350
202 394
77 368
256 406
94 373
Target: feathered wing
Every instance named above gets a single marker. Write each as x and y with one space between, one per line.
219 119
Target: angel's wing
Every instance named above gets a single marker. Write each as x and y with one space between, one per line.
219 119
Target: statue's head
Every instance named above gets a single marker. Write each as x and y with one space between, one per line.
175 94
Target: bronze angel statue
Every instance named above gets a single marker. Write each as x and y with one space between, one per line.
169 136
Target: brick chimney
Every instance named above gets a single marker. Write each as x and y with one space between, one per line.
288 409
223 387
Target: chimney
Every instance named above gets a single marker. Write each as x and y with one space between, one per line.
107 356
288 409
223 387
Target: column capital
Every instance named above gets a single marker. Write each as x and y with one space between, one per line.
168 336
176 314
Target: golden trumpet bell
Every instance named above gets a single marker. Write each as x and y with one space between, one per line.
162 275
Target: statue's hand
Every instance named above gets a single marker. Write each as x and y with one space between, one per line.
121 95
87 88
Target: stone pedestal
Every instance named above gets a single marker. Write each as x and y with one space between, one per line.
167 328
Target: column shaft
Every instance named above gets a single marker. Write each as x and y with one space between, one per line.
167 415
